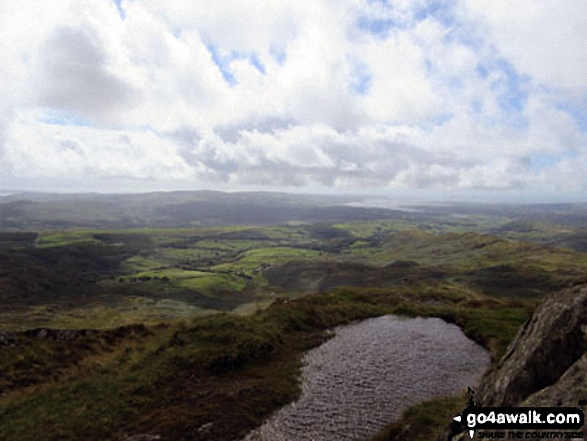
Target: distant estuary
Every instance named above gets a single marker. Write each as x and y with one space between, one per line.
369 372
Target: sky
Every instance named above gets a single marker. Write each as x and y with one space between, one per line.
443 99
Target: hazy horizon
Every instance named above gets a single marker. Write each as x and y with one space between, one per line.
359 199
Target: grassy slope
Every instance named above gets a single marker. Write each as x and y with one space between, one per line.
178 377
209 370
422 421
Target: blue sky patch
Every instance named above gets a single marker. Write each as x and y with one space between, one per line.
376 26
511 89
361 84
578 114
257 64
121 10
223 60
278 55
482 71
439 120
64 119
477 106
361 79
541 161
148 128
223 63
514 95
440 10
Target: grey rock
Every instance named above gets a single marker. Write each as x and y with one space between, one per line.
205 428
59 334
7 339
143 437
546 347
546 364
571 387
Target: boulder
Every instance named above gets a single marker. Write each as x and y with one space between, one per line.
546 347
7 339
546 363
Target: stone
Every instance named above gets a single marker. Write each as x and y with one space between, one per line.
7 339
546 347
143 437
546 363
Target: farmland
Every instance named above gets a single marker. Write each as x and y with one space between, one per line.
154 330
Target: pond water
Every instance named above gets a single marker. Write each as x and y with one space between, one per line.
369 372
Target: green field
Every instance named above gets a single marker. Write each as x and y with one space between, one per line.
239 268
183 317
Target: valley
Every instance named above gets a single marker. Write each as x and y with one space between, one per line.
107 333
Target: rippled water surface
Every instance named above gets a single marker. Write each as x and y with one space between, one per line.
364 377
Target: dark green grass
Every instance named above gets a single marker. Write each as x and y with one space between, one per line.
154 387
226 368
93 270
422 421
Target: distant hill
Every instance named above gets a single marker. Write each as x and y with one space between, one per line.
178 209
570 214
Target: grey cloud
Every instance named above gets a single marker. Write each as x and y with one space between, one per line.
222 167
356 160
6 117
3 129
185 137
231 133
75 76
284 175
185 140
124 139
193 90
512 184
69 144
187 145
423 178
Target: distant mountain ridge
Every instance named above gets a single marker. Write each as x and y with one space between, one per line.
178 209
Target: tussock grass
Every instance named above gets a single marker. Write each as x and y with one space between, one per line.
216 369
421 421
177 378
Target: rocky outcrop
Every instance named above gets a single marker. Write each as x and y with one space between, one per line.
59 334
546 364
550 346
7 339
565 392
143 437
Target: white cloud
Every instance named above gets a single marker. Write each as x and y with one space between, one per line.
542 38
405 94
402 91
40 149
242 26
75 76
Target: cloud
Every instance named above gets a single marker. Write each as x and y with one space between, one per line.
5 122
76 78
249 26
541 38
38 149
410 94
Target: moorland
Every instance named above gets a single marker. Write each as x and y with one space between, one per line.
185 314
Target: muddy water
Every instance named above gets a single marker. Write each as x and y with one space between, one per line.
364 377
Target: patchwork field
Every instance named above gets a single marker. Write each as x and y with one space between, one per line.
175 329
100 279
